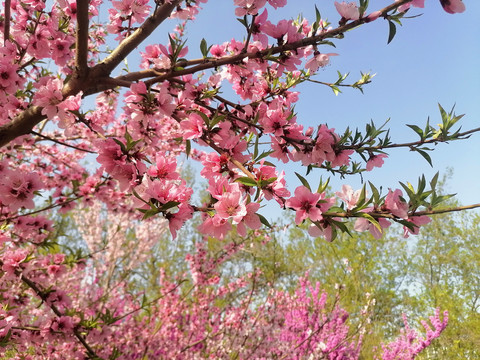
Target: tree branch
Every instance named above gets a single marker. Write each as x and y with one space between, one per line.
6 25
61 143
386 215
459 136
22 124
238 58
98 78
81 41
105 67
44 297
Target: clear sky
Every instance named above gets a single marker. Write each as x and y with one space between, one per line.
433 59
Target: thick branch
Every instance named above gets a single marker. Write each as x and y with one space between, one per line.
130 43
6 24
82 38
21 125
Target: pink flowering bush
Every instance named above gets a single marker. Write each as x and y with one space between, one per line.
82 132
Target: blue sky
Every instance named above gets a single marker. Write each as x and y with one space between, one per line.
433 59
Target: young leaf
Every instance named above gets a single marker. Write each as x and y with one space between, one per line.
425 155
204 48
188 148
246 181
303 181
264 221
392 31
417 130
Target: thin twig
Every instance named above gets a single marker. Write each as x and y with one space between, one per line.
459 136
238 58
44 297
385 215
61 143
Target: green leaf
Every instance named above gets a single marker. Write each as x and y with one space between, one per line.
266 182
392 31
363 194
264 221
216 119
318 17
173 44
204 47
255 149
303 181
246 181
376 193
205 118
169 205
321 186
433 182
121 144
149 213
188 148
335 209
417 130
263 155
342 226
363 7
370 219
425 156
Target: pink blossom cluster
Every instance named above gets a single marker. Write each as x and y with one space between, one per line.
156 115
409 343
119 165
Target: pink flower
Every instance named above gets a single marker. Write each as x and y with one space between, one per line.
251 219
13 259
215 226
318 60
8 76
417 221
165 168
305 204
325 232
231 205
414 3
63 324
363 224
348 11
17 189
60 50
396 204
375 161
348 196
48 96
249 7
192 127
176 221
453 6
